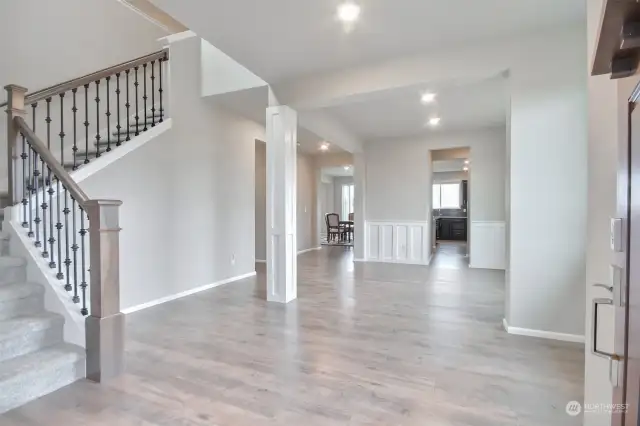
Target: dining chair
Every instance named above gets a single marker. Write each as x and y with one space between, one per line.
333 226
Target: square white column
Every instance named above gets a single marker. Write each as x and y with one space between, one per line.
282 129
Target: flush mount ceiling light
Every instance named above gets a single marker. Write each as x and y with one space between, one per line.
427 98
434 121
348 12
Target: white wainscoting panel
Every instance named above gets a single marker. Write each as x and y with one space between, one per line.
398 242
487 245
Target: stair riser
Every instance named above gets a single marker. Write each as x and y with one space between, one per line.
32 341
28 387
16 307
12 274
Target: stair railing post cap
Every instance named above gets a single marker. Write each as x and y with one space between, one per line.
104 203
16 88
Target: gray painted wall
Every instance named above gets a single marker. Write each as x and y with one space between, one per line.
399 176
188 194
105 32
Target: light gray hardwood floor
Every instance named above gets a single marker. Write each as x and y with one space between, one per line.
364 344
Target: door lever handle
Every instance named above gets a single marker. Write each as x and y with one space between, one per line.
605 286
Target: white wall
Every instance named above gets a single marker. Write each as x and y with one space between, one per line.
44 43
548 187
221 74
306 207
188 195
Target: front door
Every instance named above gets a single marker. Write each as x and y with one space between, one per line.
631 328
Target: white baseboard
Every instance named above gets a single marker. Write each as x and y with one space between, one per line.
185 293
299 253
575 338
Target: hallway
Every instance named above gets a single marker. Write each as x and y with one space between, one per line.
364 344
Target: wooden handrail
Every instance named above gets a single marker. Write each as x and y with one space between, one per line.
90 78
54 165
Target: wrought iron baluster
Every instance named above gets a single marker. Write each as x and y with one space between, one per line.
108 116
144 97
33 126
48 121
36 180
162 60
153 94
83 285
59 275
61 134
86 123
127 105
67 260
44 207
25 192
52 240
137 117
97 99
74 248
118 127
75 136
30 195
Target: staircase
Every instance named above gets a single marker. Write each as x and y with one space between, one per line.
60 230
34 359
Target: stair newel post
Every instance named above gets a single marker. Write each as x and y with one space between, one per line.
105 324
15 108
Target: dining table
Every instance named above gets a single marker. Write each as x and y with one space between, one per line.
348 225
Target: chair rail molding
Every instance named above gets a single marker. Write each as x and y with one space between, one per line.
397 242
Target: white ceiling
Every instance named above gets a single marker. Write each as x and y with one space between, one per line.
399 113
252 104
281 39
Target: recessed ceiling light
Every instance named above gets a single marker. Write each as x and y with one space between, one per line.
347 167
427 98
466 161
434 121
324 147
466 169
348 12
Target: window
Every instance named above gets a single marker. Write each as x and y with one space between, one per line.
347 201
446 196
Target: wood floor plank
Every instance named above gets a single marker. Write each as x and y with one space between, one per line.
364 344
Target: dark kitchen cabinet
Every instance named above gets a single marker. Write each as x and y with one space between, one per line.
451 229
